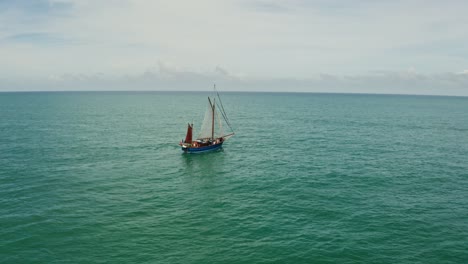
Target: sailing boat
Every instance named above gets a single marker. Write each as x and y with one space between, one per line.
211 136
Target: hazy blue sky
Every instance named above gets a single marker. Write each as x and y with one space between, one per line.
416 47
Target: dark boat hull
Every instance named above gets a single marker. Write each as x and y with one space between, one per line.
203 149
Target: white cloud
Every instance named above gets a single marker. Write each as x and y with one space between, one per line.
258 40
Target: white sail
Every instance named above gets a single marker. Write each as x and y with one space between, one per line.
206 128
219 132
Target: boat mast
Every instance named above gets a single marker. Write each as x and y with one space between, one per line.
212 105
212 117
213 120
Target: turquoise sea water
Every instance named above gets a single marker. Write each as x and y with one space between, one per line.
97 177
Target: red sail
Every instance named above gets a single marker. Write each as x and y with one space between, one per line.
188 137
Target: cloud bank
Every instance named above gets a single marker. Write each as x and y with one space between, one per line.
165 78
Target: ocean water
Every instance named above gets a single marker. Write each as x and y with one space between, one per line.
98 177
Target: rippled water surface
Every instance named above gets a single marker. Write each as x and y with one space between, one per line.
308 178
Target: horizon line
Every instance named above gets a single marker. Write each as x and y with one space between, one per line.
230 91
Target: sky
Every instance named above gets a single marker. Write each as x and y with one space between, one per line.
362 46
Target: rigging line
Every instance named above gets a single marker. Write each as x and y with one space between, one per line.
219 98
225 118
222 106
